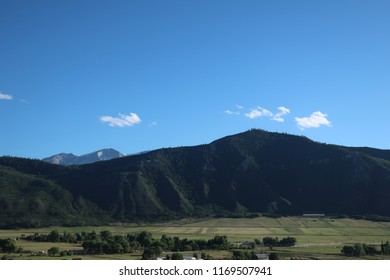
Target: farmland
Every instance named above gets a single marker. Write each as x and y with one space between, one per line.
317 238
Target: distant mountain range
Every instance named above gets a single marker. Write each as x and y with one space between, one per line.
244 174
71 159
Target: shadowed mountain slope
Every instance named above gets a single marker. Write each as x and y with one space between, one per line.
251 172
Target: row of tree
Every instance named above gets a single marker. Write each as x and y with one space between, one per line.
107 243
358 249
151 247
65 237
275 242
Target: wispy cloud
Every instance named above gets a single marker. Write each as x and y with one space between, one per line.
122 120
5 96
232 113
239 107
315 120
258 113
282 112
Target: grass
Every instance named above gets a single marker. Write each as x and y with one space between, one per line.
320 238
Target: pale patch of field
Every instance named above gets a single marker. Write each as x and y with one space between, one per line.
44 246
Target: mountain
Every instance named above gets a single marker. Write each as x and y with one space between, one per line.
28 200
71 159
251 172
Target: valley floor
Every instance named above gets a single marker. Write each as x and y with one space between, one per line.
317 238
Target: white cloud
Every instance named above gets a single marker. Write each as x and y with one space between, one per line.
282 112
231 112
315 120
5 96
258 112
122 121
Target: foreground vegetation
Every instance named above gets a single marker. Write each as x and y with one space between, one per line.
316 238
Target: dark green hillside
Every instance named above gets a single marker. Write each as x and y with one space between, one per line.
270 172
31 166
157 184
378 153
255 171
251 172
31 201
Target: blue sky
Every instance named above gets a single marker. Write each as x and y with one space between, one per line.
77 76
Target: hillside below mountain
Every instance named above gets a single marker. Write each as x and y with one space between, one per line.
251 172
71 159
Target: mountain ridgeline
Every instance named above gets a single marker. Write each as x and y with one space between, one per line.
71 159
251 172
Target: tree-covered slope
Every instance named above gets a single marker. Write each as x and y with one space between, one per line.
254 171
28 200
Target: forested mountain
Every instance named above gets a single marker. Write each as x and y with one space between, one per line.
31 200
251 172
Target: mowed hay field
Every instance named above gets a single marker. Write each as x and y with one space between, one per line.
316 237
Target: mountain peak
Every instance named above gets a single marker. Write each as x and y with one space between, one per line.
71 159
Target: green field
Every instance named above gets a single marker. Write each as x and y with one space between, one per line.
320 238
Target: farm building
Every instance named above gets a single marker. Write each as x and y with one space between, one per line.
262 256
189 258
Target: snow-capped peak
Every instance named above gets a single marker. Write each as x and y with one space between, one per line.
71 159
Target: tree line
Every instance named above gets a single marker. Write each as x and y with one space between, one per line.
275 242
107 243
359 249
